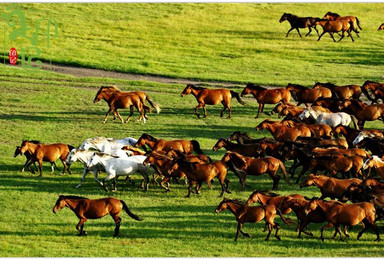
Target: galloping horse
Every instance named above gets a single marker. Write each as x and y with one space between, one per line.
183 146
299 22
251 150
331 119
307 95
353 19
332 27
376 163
266 96
346 214
381 27
243 166
372 133
281 132
244 213
206 96
362 111
106 145
93 209
117 99
47 153
341 92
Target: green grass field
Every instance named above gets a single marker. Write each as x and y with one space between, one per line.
226 42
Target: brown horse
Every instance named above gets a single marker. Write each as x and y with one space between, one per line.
93 209
270 198
346 214
206 96
198 173
317 130
47 153
329 186
329 103
375 88
363 112
352 19
243 166
266 96
299 22
244 138
381 27
183 146
283 133
244 214
117 99
252 150
341 92
307 95
332 27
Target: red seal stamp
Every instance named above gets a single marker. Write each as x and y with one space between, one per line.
12 56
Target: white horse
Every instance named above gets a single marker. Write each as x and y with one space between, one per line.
106 145
331 119
117 166
375 162
367 133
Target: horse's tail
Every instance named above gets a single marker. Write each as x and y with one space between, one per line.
153 104
358 23
196 147
125 207
287 221
284 171
237 96
355 121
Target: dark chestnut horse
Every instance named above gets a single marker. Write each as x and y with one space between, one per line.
206 96
341 92
329 186
362 111
299 22
252 150
93 209
183 146
244 214
117 99
244 138
270 198
46 152
199 173
353 19
373 88
307 95
266 96
243 166
332 27
346 214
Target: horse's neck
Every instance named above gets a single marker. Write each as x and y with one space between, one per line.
195 92
234 208
273 128
108 96
72 204
323 205
32 148
319 182
151 144
84 156
262 199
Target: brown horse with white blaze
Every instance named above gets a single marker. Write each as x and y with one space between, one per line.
266 96
85 209
206 96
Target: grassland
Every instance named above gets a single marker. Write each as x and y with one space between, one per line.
226 42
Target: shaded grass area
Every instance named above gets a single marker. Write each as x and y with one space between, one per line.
57 108
237 42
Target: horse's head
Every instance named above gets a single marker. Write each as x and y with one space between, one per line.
187 90
370 162
263 125
306 113
93 160
284 17
253 198
222 206
24 146
60 204
219 144
72 157
247 89
234 136
311 206
17 151
309 181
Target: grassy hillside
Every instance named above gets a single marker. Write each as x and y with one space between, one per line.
55 108
230 42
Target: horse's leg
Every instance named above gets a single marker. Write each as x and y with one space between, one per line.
270 227
289 31
333 38
258 112
276 179
310 30
117 220
365 226
162 183
80 227
107 114
40 168
225 107
205 111
329 225
239 225
190 188
130 114
227 186
350 35
317 31
277 227
342 35
321 35
201 104
297 29
85 171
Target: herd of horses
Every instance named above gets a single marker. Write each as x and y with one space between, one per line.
331 23
310 136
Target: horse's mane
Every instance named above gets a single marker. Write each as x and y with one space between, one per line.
333 14
297 86
194 87
266 193
254 86
72 197
237 202
112 88
149 137
242 134
328 84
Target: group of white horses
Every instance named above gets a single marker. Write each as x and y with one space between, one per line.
106 154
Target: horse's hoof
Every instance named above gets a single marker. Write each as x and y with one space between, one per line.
247 235
278 237
78 186
378 240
